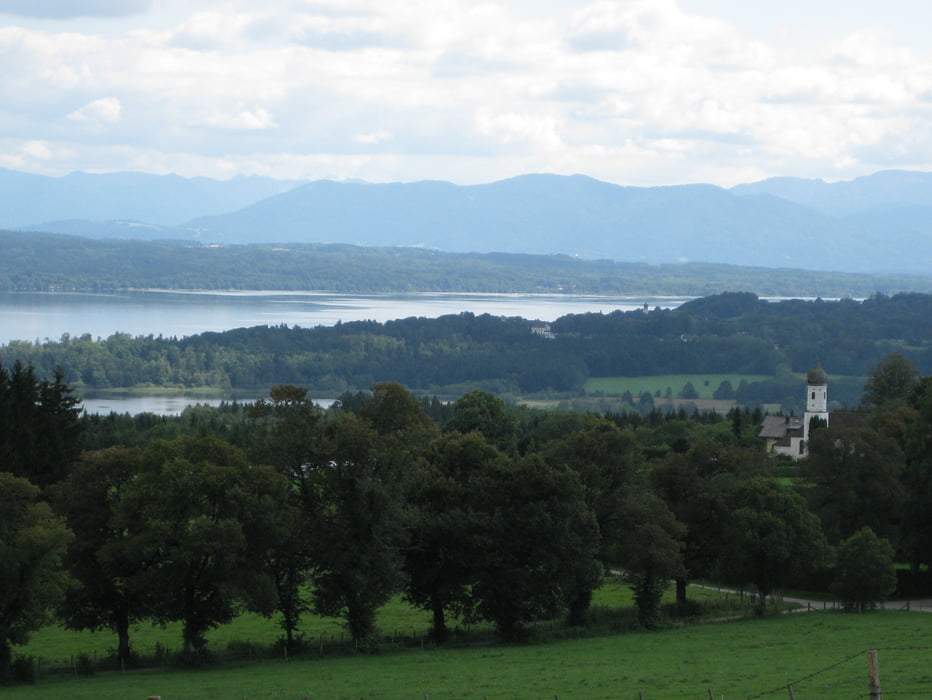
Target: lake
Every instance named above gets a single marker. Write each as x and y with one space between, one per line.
44 316
169 405
40 316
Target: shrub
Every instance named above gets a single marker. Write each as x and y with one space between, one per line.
24 669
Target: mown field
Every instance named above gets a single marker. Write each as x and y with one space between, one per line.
56 647
705 384
822 654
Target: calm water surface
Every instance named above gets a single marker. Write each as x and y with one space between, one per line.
34 316
162 405
39 316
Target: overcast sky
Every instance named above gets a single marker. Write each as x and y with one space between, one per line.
641 92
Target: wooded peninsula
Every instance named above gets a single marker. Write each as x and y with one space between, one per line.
514 357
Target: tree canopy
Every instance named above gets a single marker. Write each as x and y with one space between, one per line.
33 541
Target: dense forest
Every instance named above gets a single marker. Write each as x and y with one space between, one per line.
474 510
47 262
726 333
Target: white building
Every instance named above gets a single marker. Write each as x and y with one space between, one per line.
789 435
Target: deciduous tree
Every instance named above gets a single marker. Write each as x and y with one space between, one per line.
487 414
202 519
33 541
855 479
864 571
358 526
445 525
100 557
890 381
770 536
540 544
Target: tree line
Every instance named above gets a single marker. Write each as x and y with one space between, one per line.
475 510
726 333
53 262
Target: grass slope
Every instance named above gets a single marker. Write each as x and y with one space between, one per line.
820 653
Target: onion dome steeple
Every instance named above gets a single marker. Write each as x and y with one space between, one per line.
817 376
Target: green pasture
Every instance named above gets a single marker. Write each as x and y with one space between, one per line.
56 646
822 654
705 384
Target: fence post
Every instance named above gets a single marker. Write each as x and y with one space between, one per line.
790 689
711 696
873 676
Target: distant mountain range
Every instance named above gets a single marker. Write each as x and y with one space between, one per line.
163 200
878 223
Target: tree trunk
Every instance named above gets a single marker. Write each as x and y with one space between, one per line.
579 607
680 590
763 592
5 655
193 636
122 630
360 619
439 630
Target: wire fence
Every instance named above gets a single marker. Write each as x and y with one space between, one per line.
817 683
907 670
846 678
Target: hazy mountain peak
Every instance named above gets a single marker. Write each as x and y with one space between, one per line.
862 225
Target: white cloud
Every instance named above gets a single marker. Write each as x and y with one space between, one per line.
374 137
256 118
104 110
540 131
38 150
626 90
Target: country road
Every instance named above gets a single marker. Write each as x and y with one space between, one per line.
806 605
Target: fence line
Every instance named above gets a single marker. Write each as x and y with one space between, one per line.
781 688
83 664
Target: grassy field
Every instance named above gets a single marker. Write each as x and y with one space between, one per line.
705 384
822 654
56 646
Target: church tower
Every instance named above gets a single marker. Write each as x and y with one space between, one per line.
816 398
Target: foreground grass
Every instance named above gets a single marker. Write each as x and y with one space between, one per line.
820 653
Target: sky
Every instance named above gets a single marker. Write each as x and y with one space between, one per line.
634 92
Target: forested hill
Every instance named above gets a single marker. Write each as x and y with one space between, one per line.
732 332
51 262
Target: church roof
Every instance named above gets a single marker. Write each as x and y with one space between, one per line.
817 376
779 427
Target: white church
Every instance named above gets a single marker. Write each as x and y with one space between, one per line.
789 435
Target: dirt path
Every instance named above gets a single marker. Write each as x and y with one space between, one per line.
805 604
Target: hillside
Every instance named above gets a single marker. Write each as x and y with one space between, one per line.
546 214
53 262
876 224
164 200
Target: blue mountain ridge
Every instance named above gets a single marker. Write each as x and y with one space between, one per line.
880 223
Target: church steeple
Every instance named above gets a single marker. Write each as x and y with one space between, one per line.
816 398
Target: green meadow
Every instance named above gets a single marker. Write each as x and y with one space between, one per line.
56 647
821 654
705 384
